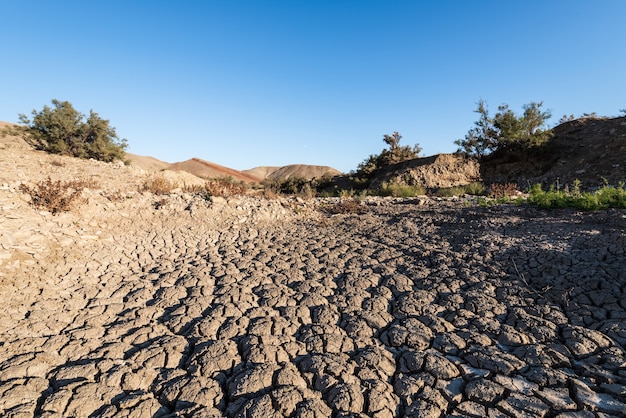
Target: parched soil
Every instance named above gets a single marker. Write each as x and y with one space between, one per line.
409 310
139 305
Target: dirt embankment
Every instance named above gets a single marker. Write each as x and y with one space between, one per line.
437 171
592 150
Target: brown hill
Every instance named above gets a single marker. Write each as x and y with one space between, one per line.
206 169
146 163
293 170
261 172
592 150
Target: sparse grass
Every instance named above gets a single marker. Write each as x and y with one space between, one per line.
475 189
399 190
224 186
54 196
603 198
450 191
158 185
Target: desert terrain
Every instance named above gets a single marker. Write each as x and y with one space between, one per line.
138 305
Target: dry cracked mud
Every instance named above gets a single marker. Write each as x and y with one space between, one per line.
408 310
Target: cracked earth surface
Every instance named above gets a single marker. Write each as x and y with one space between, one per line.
405 311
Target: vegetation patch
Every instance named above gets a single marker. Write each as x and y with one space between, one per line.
53 196
344 206
61 129
603 198
158 185
224 187
398 190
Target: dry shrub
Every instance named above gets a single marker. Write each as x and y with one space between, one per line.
57 163
114 195
54 196
345 206
89 183
158 185
194 188
498 190
224 187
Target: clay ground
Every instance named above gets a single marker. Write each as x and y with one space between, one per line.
141 305
407 310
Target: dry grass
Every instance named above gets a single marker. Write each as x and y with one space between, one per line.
498 191
158 185
224 187
344 206
54 196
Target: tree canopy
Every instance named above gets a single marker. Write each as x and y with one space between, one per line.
505 130
61 129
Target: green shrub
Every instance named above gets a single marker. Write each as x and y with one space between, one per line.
450 191
475 189
604 198
396 153
399 190
63 130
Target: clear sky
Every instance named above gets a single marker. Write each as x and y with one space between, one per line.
249 83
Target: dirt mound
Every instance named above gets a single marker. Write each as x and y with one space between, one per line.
293 170
441 170
591 150
206 169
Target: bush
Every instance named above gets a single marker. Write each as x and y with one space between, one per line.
506 190
395 154
54 196
450 191
475 189
158 185
345 206
63 130
506 130
224 187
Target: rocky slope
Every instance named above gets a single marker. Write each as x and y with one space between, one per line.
592 150
437 171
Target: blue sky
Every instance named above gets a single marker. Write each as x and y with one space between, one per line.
249 83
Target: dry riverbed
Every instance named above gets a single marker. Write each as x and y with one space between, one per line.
244 307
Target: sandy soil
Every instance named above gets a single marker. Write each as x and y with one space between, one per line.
142 305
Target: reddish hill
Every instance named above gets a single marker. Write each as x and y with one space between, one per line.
206 169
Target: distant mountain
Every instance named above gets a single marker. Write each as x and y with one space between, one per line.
293 170
206 169
146 163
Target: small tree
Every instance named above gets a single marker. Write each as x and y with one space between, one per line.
505 130
63 130
482 138
395 154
